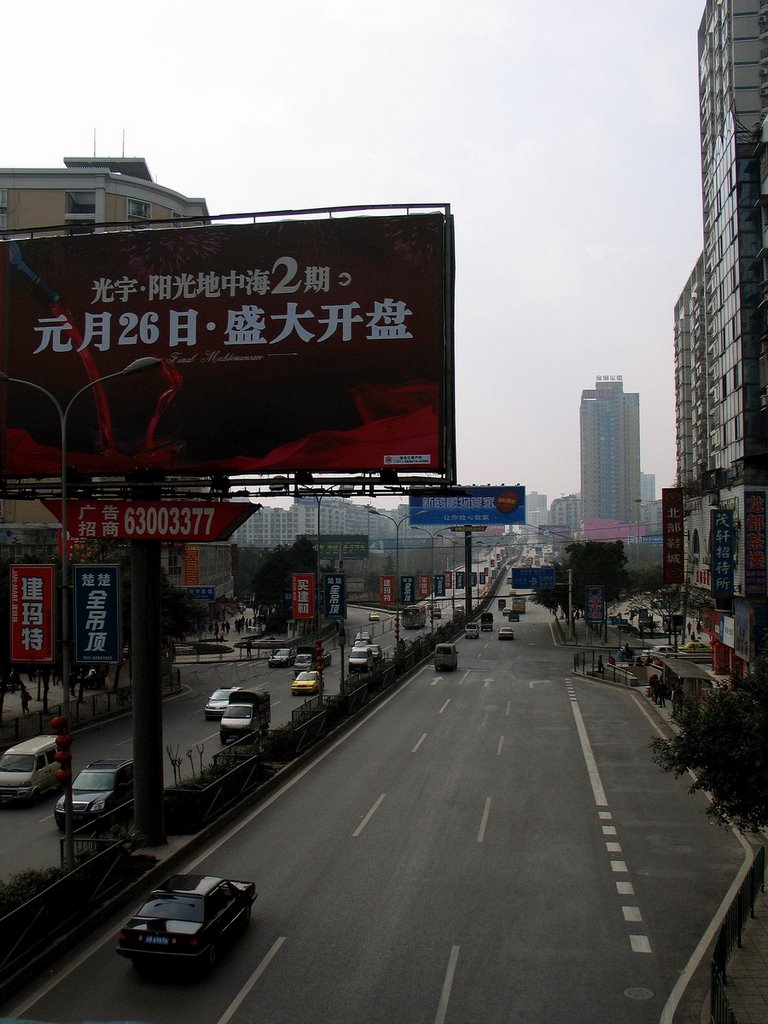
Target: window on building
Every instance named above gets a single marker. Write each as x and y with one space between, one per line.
3 198
80 204
138 210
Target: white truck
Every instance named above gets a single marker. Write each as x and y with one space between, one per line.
248 711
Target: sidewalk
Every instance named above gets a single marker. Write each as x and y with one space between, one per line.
747 969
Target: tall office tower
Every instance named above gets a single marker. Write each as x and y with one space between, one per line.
647 486
536 509
733 91
610 451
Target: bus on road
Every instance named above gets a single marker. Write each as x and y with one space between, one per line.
414 616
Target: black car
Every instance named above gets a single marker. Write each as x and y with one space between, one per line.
101 788
186 921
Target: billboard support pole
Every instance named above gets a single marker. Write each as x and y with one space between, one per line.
137 366
468 573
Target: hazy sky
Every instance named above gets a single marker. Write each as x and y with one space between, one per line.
564 136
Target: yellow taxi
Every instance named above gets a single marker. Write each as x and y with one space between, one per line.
305 682
695 647
374 617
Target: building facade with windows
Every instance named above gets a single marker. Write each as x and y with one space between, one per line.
88 191
610 451
721 342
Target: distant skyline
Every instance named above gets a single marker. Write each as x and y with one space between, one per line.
565 139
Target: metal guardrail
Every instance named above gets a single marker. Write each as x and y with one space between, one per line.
585 664
729 938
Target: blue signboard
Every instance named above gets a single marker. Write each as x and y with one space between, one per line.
484 506
407 589
440 585
334 595
594 605
207 594
97 614
533 579
460 574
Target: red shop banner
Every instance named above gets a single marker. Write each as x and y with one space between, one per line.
386 589
423 586
303 590
32 613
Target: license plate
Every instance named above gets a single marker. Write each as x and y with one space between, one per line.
156 940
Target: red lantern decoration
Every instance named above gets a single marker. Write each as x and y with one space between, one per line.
59 723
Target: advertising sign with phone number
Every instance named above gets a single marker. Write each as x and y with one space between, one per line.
152 520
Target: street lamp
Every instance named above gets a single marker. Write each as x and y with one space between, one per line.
398 523
137 366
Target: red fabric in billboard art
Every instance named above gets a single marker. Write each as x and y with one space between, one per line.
303 590
32 613
346 315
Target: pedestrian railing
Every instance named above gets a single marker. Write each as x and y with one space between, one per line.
730 937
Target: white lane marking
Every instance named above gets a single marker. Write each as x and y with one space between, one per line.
605 814
632 913
230 1010
509 706
421 740
368 816
463 677
501 744
484 821
625 889
609 830
640 943
619 866
589 757
613 847
487 681
437 679
445 995
442 709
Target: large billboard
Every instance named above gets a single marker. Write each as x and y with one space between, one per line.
317 345
479 506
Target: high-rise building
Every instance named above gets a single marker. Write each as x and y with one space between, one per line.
647 486
610 451
721 340
89 191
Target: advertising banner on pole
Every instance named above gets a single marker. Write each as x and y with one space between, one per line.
303 595
407 589
440 585
594 605
423 585
96 605
32 614
386 589
186 521
755 543
334 595
460 575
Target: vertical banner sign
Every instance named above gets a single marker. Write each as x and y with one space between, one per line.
32 613
473 579
460 574
594 605
303 593
97 613
423 585
335 596
448 580
755 580
386 589
191 565
721 543
407 589
439 586
672 534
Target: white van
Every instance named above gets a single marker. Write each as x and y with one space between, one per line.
28 770
472 630
446 657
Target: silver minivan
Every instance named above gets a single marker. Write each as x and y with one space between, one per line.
28 770
446 657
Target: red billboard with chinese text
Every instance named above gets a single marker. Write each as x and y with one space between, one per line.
386 589
350 315
673 535
303 592
32 613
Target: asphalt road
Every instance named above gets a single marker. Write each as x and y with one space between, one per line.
488 845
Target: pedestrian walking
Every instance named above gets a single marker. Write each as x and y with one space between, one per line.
25 698
249 647
662 694
600 666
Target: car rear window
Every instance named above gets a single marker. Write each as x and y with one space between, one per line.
178 908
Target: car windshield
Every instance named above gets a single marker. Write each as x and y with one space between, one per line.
95 781
306 677
283 653
179 908
238 711
17 762
220 694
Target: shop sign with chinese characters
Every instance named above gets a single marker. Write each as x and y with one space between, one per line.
594 605
754 543
673 533
334 595
387 590
97 614
721 542
32 613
